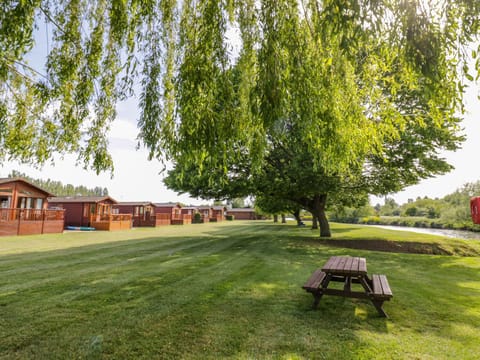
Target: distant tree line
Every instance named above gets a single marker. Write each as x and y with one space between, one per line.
57 188
451 211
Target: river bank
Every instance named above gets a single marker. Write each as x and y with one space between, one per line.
457 234
416 222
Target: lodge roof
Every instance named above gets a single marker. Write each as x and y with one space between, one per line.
242 210
190 207
169 204
135 203
219 207
17 179
81 199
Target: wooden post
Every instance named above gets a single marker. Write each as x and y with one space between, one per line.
43 219
18 224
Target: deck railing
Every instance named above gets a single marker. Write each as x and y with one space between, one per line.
31 214
30 221
112 217
111 221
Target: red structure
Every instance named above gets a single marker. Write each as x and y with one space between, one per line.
189 210
171 213
23 209
143 214
475 209
243 213
206 213
218 213
91 211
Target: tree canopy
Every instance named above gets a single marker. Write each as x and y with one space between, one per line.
351 72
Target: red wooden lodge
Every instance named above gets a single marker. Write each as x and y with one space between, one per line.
218 213
172 214
189 210
143 213
91 211
23 209
205 213
242 213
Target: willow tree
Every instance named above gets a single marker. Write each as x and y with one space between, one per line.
217 81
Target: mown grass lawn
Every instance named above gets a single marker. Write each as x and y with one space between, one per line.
231 290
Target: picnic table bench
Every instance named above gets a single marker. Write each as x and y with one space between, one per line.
349 270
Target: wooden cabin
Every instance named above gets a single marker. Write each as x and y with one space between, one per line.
91 211
188 213
218 213
206 212
23 209
172 212
242 213
143 214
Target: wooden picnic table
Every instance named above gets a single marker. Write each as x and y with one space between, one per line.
349 270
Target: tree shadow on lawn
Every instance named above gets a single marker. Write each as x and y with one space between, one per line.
393 246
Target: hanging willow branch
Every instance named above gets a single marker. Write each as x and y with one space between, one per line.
339 71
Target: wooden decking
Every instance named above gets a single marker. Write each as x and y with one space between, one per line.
181 219
111 222
31 221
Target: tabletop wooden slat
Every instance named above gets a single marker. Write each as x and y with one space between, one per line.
362 266
355 263
346 265
329 263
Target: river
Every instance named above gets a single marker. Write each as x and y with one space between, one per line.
459 234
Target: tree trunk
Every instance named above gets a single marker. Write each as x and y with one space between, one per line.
324 225
284 220
275 218
314 222
318 210
296 215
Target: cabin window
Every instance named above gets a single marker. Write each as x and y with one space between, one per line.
21 203
39 204
5 202
29 203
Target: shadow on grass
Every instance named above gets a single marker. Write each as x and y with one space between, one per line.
393 246
407 247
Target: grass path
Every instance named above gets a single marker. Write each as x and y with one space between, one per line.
228 290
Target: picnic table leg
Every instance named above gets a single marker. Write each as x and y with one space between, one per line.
378 305
317 296
348 284
365 283
319 293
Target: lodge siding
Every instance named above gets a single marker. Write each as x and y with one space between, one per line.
242 214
